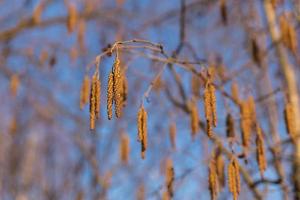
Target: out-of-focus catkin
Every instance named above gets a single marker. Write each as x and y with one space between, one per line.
142 130
235 92
124 148
290 123
110 96
213 180
260 151
234 178
72 17
288 34
140 193
85 91
172 135
124 92
230 131
194 118
220 167
14 84
245 123
170 175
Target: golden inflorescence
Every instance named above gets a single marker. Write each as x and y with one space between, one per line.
260 151
213 180
210 107
95 99
142 129
234 178
85 91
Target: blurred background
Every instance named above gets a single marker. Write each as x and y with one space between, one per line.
47 150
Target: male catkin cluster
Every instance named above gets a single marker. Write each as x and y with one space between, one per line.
117 89
95 99
142 129
234 178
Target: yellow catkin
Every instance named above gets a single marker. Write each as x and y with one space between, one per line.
85 91
290 120
260 151
213 180
208 111
142 130
234 178
245 124
94 99
235 92
117 88
252 110
172 135
124 148
110 96
14 84
194 118
72 17
170 175
230 131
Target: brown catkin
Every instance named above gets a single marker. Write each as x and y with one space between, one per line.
170 175
117 87
255 52
230 131
172 135
234 178
124 92
245 124
194 118
110 95
252 111
213 103
223 12
260 151
142 130
124 148
85 91
288 34
97 96
213 180
195 85
210 107
290 121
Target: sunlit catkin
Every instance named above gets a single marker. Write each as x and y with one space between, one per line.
172 135
142 130
124 148
213 180
117 87
85 91
110 95
290 122
220 167
124 92
260 151
213 103
210 107
170 175
194 118
234 178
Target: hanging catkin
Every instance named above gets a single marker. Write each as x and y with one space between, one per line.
220 167
290 121
117 87
260 151
235 92
124 92
94 99
172 135
110 96
210 107
234 178
230 131
72 17
213 180
245 123
85 91
194 118
142 129
170 175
